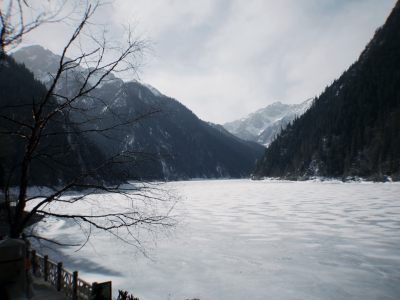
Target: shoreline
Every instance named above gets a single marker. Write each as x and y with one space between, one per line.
349 179
5 226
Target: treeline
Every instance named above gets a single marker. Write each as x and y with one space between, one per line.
188 147
353 127
172 143
60 156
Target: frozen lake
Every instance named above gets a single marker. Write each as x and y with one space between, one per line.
260 240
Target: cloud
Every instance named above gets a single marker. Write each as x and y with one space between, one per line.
224 59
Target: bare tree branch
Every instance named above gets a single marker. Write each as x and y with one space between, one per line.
54 125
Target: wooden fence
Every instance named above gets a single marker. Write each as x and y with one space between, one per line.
65 282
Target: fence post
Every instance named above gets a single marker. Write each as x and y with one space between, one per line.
34 262
59 276
46 267
94 288
75 286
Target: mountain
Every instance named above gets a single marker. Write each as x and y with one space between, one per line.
353 127
18 92
187 147
263 125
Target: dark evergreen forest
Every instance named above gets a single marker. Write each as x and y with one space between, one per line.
173 144
353 127
60 157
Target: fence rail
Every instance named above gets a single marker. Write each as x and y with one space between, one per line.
65 282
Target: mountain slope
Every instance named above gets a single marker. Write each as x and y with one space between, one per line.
264 124
187 146
18 89
353 127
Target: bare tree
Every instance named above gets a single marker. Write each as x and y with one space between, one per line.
57 122
19 17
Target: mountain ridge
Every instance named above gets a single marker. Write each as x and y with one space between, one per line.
353 127
187 146
264 124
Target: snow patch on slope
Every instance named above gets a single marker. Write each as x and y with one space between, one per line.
153 90
253 127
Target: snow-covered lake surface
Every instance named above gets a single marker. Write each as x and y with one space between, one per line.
247 239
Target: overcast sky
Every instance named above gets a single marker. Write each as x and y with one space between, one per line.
225 59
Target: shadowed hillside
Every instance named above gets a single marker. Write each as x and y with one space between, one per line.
353 127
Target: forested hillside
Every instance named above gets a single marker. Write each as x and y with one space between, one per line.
353 127
59 157
167 138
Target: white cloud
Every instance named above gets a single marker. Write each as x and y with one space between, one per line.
224 59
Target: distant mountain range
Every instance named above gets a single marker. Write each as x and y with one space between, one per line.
187 147
263 125
353 127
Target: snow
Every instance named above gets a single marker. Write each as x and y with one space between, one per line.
153 90
252 125
266 239
95 78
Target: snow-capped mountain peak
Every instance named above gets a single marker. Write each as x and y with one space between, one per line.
253 126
